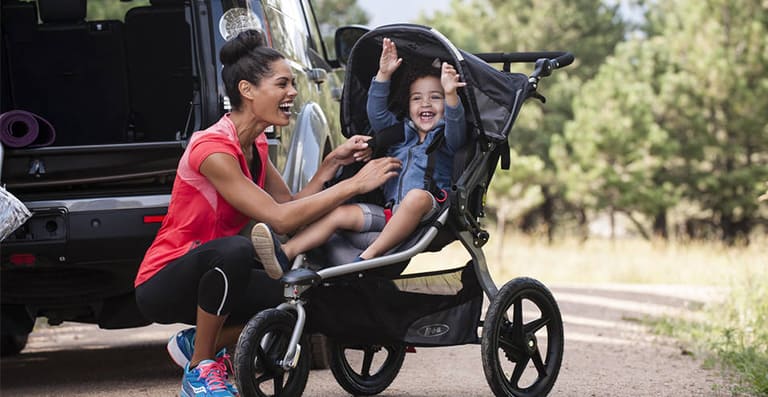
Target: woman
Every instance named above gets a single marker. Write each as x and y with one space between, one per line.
199 270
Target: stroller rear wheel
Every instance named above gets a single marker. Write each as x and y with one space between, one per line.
522 345
365 370
260 351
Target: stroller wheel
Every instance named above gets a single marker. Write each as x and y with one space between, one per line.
522 345
260 351
365 370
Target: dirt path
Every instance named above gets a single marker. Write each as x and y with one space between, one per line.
607 353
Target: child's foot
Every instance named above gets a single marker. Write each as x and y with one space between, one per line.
268 251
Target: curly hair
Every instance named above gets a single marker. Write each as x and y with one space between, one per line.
407 74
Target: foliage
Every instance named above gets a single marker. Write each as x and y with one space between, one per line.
588 28
332 14
99 10
678 117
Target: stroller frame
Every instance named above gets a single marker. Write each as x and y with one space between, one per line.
504 334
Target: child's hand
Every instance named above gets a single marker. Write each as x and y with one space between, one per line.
449 78
350 151
389 62
363 155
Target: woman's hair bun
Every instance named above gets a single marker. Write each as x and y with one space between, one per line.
241 45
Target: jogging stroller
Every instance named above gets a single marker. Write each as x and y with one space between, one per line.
368 307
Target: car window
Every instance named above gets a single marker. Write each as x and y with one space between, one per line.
100 10
289 31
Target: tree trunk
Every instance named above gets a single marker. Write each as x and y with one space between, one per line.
660 225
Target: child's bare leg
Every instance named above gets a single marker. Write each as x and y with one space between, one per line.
405 220
346 217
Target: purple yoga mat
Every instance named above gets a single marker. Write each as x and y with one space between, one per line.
19 128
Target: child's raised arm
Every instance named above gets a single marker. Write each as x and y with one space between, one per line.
389 62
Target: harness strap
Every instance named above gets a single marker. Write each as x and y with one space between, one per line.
504 154
429 181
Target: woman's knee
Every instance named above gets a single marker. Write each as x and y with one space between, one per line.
237 249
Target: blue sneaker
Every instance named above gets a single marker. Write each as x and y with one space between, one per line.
182 345
268 251
208 379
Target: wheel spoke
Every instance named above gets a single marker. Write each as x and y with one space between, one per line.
535 325
263 378
367 362
278 384
539 363
517 373
517 318
261 359
506 341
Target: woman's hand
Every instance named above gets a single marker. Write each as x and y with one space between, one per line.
389 62
375 173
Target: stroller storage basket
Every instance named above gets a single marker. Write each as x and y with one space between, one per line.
429 309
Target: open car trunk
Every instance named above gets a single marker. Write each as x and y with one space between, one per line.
110 95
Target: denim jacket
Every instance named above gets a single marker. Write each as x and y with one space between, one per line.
410 151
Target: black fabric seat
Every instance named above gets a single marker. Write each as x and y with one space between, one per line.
19 19
72 72
159 51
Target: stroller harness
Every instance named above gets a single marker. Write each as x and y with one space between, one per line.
394 134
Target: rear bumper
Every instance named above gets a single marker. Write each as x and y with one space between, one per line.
74 260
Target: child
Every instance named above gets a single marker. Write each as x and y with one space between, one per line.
433 108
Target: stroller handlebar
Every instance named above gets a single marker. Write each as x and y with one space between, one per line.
562 58
561 61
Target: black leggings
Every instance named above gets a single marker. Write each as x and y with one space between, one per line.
221 276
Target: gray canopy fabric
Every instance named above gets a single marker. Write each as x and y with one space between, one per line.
492 98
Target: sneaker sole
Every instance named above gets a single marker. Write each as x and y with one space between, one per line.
176 354
262 241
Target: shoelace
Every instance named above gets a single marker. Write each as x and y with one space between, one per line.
214 375
225 361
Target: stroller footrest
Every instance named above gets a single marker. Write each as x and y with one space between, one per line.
301 276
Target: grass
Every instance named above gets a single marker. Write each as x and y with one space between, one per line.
604 261
735 329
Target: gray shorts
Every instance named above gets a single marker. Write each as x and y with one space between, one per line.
374 218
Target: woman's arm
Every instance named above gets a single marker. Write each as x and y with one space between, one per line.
223 171
353 149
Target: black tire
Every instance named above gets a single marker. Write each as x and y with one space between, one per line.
321 351
12 344
378 366
511 344
257 368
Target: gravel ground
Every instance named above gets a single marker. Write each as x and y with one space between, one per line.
608 352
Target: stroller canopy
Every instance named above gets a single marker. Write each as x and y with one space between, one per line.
492 98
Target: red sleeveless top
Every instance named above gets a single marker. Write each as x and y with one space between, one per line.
197 213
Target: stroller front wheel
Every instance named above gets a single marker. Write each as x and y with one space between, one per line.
522 344
365 370
261 348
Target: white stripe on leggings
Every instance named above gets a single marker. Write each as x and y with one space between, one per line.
226 289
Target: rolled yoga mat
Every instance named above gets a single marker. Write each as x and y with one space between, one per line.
19 128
